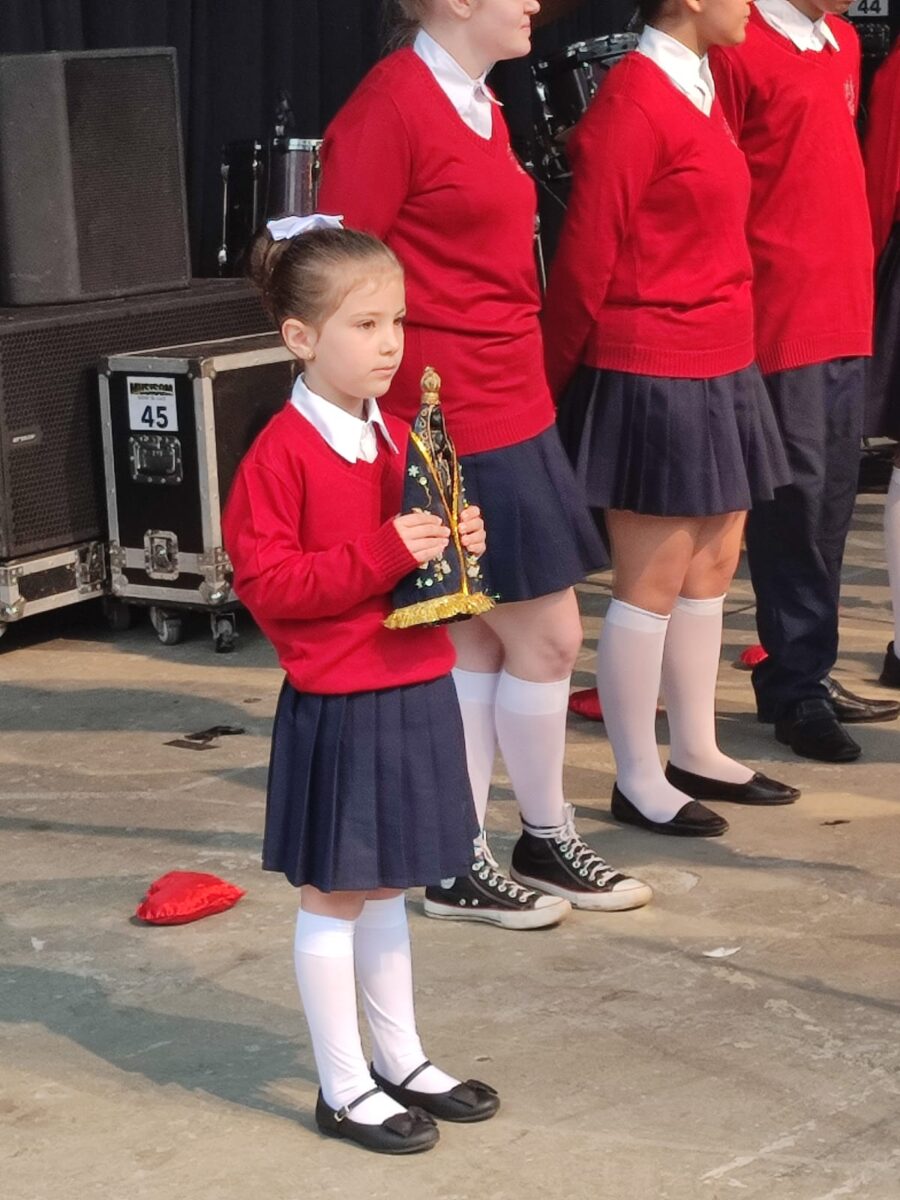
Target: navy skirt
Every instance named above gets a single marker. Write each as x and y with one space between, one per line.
540 535
673 447
883 395
369 790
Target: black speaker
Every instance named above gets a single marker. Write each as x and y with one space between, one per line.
51 463
92 198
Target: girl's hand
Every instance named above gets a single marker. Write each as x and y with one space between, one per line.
471 531
423 534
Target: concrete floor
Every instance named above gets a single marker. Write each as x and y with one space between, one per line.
146 1063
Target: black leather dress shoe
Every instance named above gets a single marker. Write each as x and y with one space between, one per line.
890 672
693 820
812 730
849 708
405 1133
467 1102
759 789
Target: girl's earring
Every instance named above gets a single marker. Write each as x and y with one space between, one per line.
311 356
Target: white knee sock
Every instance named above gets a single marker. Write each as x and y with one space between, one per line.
323 958
689 673
531 730
629 664
892 548
477 692
384 971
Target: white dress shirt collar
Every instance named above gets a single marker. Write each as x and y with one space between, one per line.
351 437
689 72
803 32
470 97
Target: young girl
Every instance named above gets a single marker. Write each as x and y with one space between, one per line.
368 793
649 309
882 156
420 156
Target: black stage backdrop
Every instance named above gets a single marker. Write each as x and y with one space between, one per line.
235 55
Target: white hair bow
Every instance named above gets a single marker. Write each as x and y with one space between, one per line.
293 226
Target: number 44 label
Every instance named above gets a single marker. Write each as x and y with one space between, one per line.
870 8
151 403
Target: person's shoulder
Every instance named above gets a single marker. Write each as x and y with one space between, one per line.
280 441
397 428
844 30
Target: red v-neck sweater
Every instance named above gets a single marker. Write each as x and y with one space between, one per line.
652 275
882 152
315 557
793 113
459 212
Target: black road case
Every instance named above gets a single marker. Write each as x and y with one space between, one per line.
176 423
43 582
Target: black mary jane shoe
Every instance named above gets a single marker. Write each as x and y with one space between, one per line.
759 789
405 1133
851 709
467 1102
693 820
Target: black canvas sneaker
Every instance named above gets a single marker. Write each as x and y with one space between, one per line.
566 866
486 894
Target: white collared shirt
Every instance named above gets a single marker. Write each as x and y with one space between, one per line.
689 72
353 438
470 97
803 32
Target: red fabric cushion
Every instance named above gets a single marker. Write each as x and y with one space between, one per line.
182 896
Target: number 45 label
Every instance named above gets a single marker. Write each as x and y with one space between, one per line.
151 403
870 8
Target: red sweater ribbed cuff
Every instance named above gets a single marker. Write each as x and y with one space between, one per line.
389 554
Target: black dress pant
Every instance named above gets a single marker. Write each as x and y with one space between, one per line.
795 543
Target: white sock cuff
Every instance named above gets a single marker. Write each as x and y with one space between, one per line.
478 687
710 607
629 616
383 914
894 485
532 699
325 937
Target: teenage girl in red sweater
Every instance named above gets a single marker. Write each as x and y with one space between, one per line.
649 325
882 155
368 792
420 156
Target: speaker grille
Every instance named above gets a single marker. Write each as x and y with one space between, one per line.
50 448
126 172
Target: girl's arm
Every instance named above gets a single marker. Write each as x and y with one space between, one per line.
613 156
273 574
366 163
882 150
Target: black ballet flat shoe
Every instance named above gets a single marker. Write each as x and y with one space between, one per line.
405 1133
890 671
812 730
693 820
467 1102
852 709
759 789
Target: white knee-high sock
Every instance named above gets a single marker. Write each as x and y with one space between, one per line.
892 548
477 693
323 958
384 971
629 665
689 673
531 730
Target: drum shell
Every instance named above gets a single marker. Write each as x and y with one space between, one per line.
294 170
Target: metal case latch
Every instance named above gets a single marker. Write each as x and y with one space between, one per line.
161 554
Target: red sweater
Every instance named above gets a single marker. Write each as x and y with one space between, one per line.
652 274
793 113
883 149
459 212
315 557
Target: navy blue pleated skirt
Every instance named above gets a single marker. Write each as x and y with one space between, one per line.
540 535
369 790
882 417
673 447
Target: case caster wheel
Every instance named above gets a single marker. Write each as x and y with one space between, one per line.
224 632
118 614
169 627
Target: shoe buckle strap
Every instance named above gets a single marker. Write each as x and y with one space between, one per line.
342 1113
